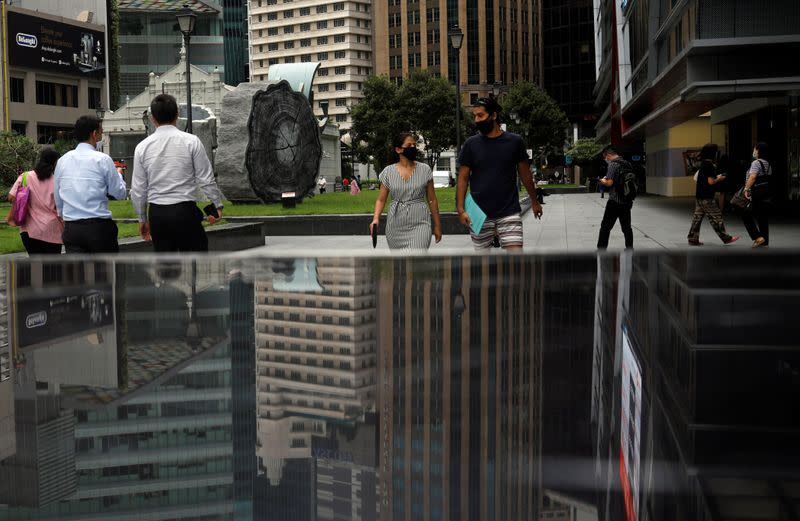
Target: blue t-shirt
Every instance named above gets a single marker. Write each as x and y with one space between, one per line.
493 172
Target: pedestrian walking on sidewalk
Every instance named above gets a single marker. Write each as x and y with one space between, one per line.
42 229
168 168
618 205
756 220
705 205
490 164
414 203
84 181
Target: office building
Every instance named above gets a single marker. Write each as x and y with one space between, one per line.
501 41
236 47
338 34
150 40
568 56
460 389
677 75
57 70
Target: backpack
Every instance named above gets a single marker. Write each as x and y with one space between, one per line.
628 189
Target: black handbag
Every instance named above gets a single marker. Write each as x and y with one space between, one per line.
760 190
740 201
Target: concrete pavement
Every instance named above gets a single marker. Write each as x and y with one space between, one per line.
571 223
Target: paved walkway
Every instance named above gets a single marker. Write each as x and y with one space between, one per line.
571 223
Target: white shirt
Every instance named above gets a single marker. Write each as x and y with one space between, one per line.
322 182
168 166
84 178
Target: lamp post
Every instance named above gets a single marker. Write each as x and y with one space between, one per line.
456 39
496 88
186 21
100 111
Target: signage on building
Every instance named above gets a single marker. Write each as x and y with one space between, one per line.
38 43
74 311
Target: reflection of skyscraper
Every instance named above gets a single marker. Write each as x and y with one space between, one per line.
460 392
715 411
7 437
316 357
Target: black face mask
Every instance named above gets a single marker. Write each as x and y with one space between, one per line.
410 153
486 126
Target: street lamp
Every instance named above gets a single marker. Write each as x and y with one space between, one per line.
496 87
99 111
186 20
456 39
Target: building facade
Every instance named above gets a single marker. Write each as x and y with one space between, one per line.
237 49
56 72
677 75
338 34
501 41
150 40
460 389
568 57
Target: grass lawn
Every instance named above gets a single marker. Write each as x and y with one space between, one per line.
560 186
324 204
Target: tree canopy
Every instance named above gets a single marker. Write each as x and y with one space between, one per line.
17 154
543 125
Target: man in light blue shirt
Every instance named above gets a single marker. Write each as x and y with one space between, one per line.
84 180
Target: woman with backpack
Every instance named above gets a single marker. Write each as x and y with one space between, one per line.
41 230
756 189
705 205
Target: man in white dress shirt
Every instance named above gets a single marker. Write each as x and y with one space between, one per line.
168 167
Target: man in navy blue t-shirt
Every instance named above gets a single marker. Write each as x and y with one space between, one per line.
490 163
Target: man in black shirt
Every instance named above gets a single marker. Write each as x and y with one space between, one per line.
616 207
705 205
489 164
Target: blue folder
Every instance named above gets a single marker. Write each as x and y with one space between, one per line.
476 215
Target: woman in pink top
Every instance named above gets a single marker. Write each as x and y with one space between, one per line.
41 232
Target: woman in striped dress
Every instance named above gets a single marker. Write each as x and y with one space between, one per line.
408 226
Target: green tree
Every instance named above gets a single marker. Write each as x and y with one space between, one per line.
17 154
62 146
543 125
426 107
375 122
584 150
112 8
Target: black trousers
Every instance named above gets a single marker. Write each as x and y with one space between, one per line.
90 236
614 211
177 227
756 220
38 247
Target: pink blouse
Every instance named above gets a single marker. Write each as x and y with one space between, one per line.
42 222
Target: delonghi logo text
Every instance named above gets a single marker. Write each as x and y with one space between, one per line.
36 319
27 40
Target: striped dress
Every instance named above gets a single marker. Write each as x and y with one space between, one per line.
408 226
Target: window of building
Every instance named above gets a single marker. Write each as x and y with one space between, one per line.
322 25
362 39
19 127
305 42
272 46
289 13
305 27
322 40
272 31
341 102
395 62
272 61
338 38
305 58
434 58
395 41
341 85
323 88
322 56
394 20
288 29
340 55
339 22
434 36
340 70
305 11
473 98
340 118
413 18
338 6
414 60
49 134
18 90
56 94
432 14
288 45
413 39
322 72
322 9
272 16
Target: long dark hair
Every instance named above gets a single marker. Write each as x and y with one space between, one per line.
397 142
709 152
46 164
763 150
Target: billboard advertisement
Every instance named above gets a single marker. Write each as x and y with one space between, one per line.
38 43
63 313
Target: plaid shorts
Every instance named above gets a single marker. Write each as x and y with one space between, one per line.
508 229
